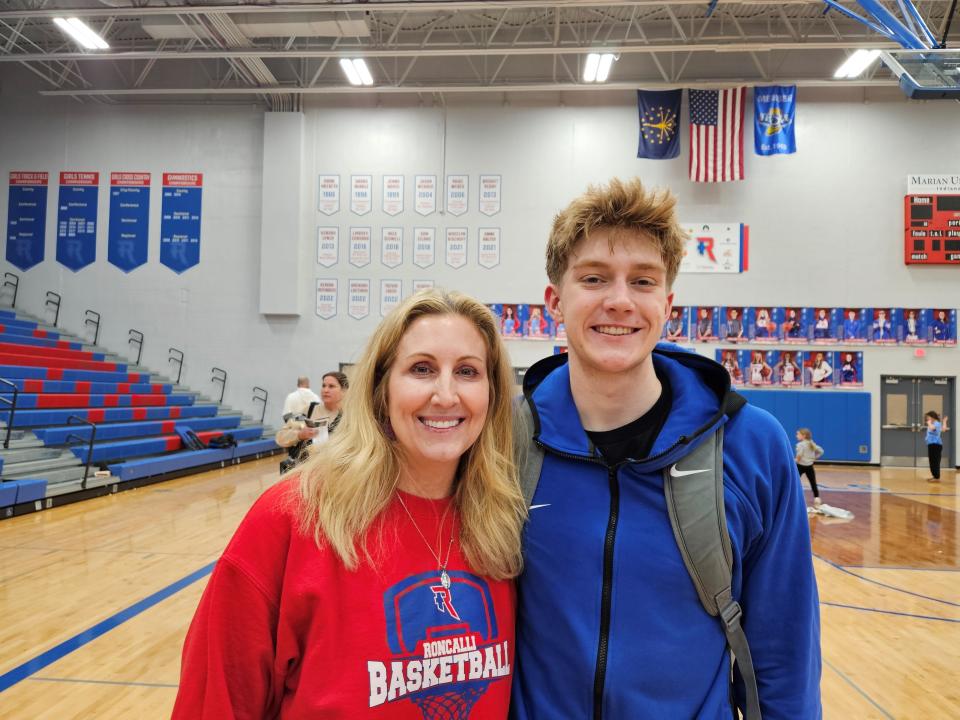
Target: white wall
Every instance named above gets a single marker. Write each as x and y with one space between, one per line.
826 224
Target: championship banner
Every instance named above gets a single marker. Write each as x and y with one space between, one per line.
392 194
77 219
128 229
328 245
360 246
391 246
490 194
488 247
328 196
26 218
424 246
180 220
391 292
457 194
361 194
358 300
326 297
774 119
659 112
456 247
716 248
425 200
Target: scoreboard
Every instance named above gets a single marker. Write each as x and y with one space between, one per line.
931 214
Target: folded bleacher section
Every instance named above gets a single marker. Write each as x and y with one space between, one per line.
86 423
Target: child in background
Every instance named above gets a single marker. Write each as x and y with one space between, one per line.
807 453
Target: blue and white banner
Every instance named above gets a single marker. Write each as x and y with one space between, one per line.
488 247
457 194
180 220
327 297
328 194
358 299
659 112
129 226
391 292
456 247
425 198
328 245
391 246
392 194
360 242
361 194
77 219
490 192
26 218
424 246
774 119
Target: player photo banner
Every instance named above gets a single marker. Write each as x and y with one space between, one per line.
457 194
328 245
490 194
716 248
391 246
358 299
77 219
659 112
326 297
26 218
392 194
425 200
391 292
328 194
180 220
128 228
774 119
361 194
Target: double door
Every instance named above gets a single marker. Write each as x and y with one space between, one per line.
903 403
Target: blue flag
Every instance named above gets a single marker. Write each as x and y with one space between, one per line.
774 119
659 123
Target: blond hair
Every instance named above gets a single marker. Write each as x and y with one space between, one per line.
805 433
353 477
619 205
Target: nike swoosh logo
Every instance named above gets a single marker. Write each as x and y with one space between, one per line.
534 507
674 472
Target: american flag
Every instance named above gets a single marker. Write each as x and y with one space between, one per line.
716 134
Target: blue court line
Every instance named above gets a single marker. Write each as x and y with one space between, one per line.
901 567
12 677
856 687
890 612
885 585
84 681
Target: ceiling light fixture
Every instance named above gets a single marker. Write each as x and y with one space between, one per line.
356 71
81 32
854 65
597 67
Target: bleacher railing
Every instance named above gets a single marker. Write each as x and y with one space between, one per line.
136 337
13 409
73 420
54 300
261 398
11 280
220 376
177 357
92 317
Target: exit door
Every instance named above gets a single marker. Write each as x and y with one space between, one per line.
903 403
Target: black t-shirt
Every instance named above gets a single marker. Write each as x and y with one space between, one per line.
635 439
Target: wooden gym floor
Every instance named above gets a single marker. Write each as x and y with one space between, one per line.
95 597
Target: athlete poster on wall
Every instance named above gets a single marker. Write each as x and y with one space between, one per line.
854 328
180 220
825 324
881 327
764 324
328 245
913 326
787 367
391 292
818 371
715 248
327 297
129 223
943 327
457 194
328 194
677 327
538 325
358 298
732 326
793 329
392 194
706 324
490 194
391 246
77 219
557 330
26 218
512 320
756 366
849 368
731 363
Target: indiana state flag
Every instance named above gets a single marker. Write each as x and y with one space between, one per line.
659 123
774 119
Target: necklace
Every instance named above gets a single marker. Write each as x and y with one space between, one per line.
441 564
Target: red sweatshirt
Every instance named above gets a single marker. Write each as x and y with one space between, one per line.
284 630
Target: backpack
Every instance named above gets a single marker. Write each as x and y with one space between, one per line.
190 440
220 442
695 506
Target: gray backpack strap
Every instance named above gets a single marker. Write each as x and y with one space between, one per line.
526 453
694 491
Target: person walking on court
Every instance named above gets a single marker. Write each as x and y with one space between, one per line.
297 402
378 581
610 623
807 453
934 439
304 433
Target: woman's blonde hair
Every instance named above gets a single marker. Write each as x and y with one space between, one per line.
353 477
805 433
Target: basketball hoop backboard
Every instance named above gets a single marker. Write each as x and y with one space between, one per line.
926 74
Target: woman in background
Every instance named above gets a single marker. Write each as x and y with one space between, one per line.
934 439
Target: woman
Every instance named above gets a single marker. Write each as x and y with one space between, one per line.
302 435
377 581
763 323
934 439
820 371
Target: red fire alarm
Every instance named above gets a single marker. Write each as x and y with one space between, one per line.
919 352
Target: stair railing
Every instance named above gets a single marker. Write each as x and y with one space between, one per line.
135 336
11 280
220 376
13 408
177 357
53 299
92 317
261 398
73 420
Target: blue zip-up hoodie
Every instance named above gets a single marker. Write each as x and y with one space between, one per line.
609 623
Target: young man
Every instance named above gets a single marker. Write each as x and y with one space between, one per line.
610 624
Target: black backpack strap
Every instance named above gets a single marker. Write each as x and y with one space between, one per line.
694 492
526 453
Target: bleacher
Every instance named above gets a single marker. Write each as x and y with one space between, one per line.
87 422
